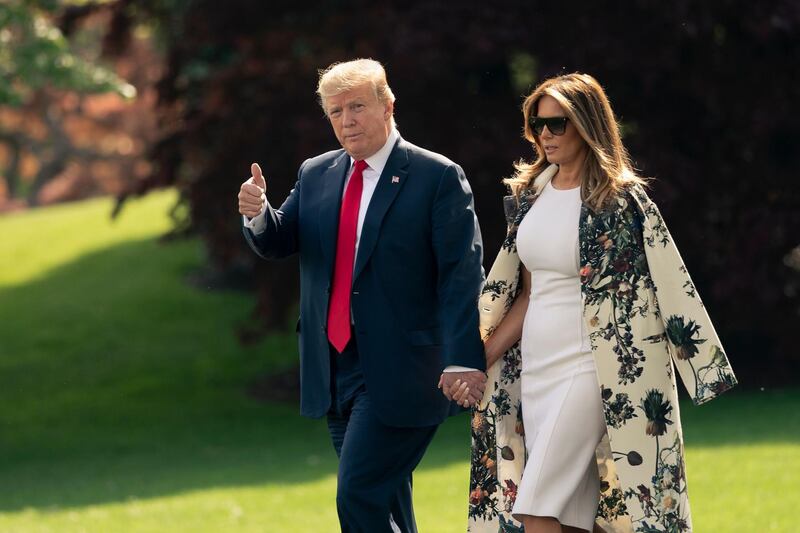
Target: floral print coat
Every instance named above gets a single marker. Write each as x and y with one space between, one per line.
645 319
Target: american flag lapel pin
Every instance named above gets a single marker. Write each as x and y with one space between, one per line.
395 179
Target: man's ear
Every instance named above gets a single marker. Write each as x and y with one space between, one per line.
388 110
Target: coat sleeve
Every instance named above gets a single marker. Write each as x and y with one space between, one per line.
693 343
457 246
279 238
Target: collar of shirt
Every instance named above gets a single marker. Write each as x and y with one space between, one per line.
377 161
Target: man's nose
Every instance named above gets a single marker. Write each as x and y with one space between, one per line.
348 118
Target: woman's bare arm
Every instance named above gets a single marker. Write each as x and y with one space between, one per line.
507 333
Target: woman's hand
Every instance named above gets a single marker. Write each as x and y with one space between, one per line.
464 396
464 392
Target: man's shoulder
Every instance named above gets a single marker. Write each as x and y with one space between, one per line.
322 161
423 155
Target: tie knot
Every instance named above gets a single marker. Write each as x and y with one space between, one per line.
360 165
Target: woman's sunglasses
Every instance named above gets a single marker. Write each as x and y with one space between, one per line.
556 125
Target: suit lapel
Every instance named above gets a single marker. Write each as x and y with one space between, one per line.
333 184
392 179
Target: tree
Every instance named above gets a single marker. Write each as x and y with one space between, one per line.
43 80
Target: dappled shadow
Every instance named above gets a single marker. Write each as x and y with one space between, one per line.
118 382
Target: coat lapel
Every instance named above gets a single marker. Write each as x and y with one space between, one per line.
392 179
333 185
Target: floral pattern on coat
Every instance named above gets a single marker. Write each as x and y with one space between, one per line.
644 319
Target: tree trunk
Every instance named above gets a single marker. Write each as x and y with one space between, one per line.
11 172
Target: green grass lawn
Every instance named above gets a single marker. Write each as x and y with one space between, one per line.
123 404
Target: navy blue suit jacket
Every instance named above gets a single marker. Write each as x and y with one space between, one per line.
416 282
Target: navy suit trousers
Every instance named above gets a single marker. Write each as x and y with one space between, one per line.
376 461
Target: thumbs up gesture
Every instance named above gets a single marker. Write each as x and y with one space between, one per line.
252 194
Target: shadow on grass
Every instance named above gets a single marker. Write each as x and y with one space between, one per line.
118 381
744 417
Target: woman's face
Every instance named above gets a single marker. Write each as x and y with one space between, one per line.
567 148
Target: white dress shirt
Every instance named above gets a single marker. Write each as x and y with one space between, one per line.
375 165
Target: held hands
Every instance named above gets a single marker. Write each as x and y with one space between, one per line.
252 194
464 388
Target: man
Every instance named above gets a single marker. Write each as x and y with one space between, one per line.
390 259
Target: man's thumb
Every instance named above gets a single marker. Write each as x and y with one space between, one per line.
258 177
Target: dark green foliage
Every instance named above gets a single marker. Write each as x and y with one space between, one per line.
704 92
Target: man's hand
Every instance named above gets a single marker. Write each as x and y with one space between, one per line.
466 388
252 194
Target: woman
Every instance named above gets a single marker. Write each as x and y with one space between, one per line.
579 426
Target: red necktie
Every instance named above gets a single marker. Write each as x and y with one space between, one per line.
339 308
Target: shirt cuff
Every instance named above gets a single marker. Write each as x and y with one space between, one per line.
257 224
455 368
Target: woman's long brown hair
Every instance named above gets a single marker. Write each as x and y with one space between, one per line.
607 168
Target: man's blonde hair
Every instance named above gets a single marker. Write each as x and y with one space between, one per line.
341 77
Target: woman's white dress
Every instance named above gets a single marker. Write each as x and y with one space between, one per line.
561 406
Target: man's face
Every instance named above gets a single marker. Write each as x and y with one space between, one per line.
359 120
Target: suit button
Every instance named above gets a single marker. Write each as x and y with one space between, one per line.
356 292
